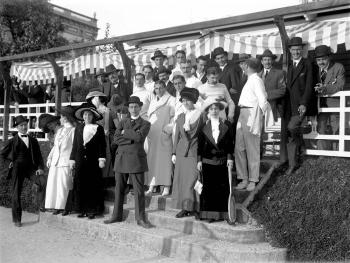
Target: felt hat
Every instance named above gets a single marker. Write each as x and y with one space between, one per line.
296 41
162 70
100 73
78 113
322 51
189 94
19 119
134 99
158 53
218 51
110 69
67 111
95 93
243 57
211 100
268 53
45 119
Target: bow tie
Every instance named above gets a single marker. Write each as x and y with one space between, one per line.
24 135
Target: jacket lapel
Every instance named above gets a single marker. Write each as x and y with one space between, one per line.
208 133
329 74
223 129
298 70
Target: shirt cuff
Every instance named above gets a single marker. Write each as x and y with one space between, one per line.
102 159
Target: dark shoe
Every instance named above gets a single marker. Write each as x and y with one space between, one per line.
81 215
196 215
144 224
91 216
56 212
42 209
65 213
229 222
182 213
18 224
111 221
211 221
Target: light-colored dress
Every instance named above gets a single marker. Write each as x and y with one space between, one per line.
161 114
60 180
188 125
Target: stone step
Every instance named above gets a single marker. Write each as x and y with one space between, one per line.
242 233
167 242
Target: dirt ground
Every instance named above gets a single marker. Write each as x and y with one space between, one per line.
38 243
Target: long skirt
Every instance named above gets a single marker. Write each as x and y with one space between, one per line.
59 182
215 192
185 177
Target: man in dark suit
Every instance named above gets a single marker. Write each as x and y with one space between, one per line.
330 78
35 94
164 74
158 58
201 63
275 86
131 160
23 153
300 101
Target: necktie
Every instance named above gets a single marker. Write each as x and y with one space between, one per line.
133 122
295 65
24 135
266 73
323 75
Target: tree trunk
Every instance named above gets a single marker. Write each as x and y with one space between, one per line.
279 21
127 65
59 83
5 67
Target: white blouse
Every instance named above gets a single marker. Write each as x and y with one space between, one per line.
215 128
89 132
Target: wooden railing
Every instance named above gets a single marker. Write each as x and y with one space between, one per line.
32 112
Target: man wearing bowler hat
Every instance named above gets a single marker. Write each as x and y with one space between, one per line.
158 58
131 160
330 78
299 101
164 74
275 86
25 158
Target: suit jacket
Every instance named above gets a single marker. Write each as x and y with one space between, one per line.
300 90
231 77
20 96
131 156
335 78
35 94
60 152
10 151
218 152
275 86
122 90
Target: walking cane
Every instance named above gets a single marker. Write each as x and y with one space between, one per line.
231 200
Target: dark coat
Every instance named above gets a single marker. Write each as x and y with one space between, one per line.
275 86
335 77
121 89
11 150
231 77
131 156
219 152
19 95
35 94
300 90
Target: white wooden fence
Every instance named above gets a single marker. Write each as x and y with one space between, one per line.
340 113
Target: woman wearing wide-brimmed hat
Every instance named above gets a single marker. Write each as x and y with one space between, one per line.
215 150
99 100
184 156
59 180
88 157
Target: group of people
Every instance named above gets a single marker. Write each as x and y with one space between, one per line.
178 132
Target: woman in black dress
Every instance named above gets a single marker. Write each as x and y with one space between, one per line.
88 157
215 149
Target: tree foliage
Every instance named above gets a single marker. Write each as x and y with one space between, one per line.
28 25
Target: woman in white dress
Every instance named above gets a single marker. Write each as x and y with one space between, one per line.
59 180
161 114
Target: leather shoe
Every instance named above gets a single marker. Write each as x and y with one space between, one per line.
111 221
65 213
81 215
91 216
182 213
56 212
144 224
18 224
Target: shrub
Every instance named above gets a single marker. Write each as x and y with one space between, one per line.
309 212
28 198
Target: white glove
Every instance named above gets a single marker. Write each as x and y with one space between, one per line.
101 163
71 164
230 163
199 166
173 158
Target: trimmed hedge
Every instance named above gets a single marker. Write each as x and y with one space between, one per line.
309 212
28 197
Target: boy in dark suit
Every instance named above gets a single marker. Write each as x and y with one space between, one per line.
131 160
23 152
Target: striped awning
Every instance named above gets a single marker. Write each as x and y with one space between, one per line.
330 33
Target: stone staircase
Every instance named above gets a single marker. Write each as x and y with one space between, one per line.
183 238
